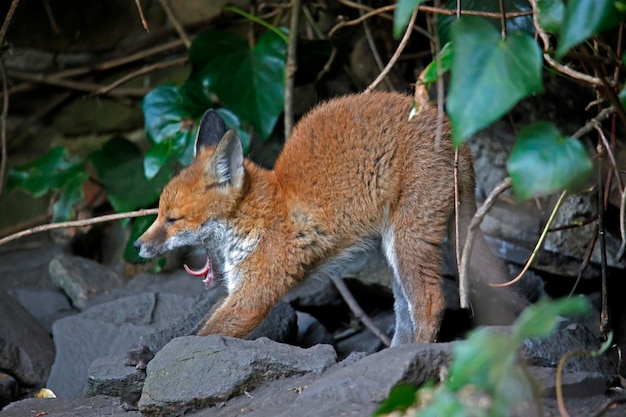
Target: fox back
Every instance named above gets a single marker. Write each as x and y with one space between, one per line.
355 171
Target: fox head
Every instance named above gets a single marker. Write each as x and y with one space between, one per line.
200 196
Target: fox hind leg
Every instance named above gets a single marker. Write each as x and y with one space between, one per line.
419 303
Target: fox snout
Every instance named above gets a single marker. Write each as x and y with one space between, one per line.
146 250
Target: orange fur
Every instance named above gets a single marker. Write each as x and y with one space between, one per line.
354 170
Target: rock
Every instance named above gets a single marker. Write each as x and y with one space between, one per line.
574 384
26 350
56 407
26 268
8 389
311 332
107 329
353 387
280 325
193 372
108 375
574 241
549 351
82 278
46 306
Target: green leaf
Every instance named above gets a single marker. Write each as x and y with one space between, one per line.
584 19
250 82
489 75
519 23
445 59
402 15
401 397
72 193
140 225
551 14
44 174
57 171
119 165
543 161
540 319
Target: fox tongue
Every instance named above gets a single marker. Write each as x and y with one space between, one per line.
205 272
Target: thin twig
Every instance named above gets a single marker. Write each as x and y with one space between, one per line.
144 23
545 38
292 66
604 313
542 238
359 19
502 20
480 214
88 87
7 20
78 223
139 72
396 54
179 28
358 311
3 121
372 44
609 151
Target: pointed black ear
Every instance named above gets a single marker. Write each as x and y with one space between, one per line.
226 164
210 131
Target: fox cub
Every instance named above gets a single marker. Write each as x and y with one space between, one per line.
355 172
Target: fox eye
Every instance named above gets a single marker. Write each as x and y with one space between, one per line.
171 220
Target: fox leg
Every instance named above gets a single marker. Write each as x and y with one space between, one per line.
415 262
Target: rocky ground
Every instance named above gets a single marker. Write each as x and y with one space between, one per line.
68 323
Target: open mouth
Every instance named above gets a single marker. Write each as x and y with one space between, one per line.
206 272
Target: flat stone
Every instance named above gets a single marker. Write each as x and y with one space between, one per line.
82 278
108 375
194 372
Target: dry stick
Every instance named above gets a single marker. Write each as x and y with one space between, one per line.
471 230
448 12
7 20
609 152
292 66
604 313
358 311
396 54
78 223
104 66
359 19
622 225
596 82
372 44
3 120
144 23
542 238
179 28
77 85
139 72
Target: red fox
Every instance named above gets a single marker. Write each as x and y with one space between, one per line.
355 172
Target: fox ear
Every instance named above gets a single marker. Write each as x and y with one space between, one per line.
210 131
226 165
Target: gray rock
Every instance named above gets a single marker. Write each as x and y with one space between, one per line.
8 389
108 375
311 332
353 387
549 351
107 329
57 407
82 278
573 384
26 350
46 306
193 372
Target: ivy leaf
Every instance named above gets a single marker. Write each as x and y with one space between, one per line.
584 19
139 225
489 75
543 161
401 397
248 81
551 14
540 319
54 171
119 164
402 15
172 114
445 58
